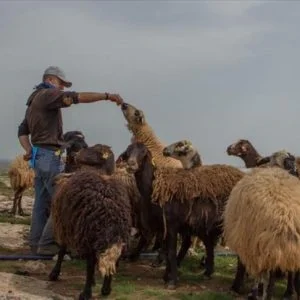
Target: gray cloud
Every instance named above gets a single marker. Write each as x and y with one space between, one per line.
210 71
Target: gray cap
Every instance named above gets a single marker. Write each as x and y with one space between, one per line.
58 72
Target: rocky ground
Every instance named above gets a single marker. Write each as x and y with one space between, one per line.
13 240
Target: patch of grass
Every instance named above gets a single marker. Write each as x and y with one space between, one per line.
207 295
5 190
159 294
6 217
125 288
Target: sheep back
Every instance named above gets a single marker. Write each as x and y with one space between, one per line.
261 220
91 213
207 182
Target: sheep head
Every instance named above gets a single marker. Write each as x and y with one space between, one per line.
185 152
134 117
74 141
239 148
99 156
135 156
282 159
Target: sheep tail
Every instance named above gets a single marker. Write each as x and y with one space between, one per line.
107 260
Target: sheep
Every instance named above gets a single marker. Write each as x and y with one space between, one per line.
246 151
143 133
100 157
91 214
22 176
267 199
192 200
187 154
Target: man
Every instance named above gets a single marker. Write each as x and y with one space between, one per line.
43 123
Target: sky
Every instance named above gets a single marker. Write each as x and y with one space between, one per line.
212 71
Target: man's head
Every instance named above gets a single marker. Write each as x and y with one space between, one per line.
56 76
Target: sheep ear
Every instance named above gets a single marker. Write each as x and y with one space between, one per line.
263 161
105 155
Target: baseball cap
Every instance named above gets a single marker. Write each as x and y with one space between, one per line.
58 72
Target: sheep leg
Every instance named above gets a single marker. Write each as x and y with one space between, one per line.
297 284
143 241
238 283
53 276
185 245
268 292
253 295
288 294
106 287
17 196
210 256
171 270
158 241
86 294
19 200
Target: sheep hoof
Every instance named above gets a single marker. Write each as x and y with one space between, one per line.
252 297
83 296
53 276
171 285
21 212
236 289
207 274
105 291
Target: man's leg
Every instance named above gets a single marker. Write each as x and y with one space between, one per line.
47 244
39 218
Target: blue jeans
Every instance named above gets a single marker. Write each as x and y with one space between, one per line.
47 165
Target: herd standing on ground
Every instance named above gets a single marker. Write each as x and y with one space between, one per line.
102 205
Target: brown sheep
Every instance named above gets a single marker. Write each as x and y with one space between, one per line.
192 200
91 214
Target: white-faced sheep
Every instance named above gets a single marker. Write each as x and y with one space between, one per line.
192 200
91 214
185 152
190 158
262 225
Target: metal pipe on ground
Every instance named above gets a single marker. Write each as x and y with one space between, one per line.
49 257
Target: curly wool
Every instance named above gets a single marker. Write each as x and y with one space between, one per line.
206 182
261 221
91 213
20 174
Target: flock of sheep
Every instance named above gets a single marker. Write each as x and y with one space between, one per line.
153 191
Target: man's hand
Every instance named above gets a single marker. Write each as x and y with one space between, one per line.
27 155
115 98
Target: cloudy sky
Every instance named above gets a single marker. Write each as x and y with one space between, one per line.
211 72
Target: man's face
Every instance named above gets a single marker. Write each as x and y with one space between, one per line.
57 82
